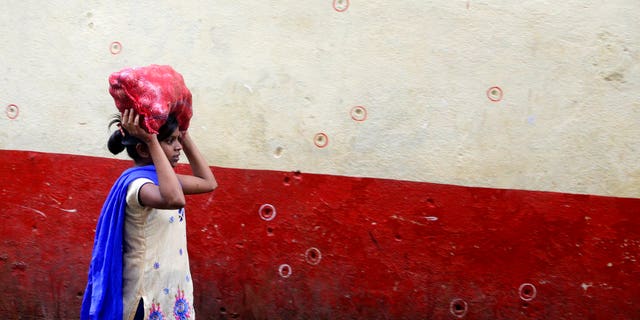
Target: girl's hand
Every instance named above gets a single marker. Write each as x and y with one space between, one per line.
202 179
184 135
131 123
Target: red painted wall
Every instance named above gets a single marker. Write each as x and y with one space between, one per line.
355 247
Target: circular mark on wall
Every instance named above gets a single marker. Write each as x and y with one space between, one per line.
494 94
285 270
12 111
267 212
359 113
341 5
321 140
115 47
458 308
527 292
278 152
313 256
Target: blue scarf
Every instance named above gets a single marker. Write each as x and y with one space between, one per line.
103 295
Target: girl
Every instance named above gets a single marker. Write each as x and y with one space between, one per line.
140 266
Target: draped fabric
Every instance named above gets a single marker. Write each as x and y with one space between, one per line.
103 295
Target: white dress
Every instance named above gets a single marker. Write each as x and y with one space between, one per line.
155 261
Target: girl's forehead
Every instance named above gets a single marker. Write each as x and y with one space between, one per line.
174 135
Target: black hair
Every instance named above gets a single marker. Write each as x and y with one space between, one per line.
118 142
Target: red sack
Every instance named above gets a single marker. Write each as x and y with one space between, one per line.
154 92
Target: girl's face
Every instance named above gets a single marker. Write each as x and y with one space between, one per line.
172 147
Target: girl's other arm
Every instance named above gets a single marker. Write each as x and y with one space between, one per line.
202 179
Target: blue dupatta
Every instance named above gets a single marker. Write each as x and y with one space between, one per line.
103 295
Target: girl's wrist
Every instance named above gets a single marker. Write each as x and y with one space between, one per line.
185 139
151 138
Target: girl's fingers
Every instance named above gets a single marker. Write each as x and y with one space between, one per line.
129 118
125 117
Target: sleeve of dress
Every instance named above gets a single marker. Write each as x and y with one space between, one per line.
133 192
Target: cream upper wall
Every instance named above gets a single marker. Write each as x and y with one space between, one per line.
266 76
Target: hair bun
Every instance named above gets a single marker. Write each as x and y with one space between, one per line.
115 142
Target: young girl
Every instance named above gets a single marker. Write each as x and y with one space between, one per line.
140 266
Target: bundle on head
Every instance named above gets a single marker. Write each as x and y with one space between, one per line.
155 92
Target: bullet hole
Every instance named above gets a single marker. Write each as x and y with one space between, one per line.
431 203
313 256
297 175
12 111
267 212
458 308
527 291
398 237
341 5
286 181
359 113
223 310
494 94
270 232
321 140
115 47
278 152
285 270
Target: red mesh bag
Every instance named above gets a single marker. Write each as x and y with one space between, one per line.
154 92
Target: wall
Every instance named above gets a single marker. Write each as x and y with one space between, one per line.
430 152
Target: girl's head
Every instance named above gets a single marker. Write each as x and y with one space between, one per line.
136 149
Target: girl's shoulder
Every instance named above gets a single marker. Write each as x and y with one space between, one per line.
138 172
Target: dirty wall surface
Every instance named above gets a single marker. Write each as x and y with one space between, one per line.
465 159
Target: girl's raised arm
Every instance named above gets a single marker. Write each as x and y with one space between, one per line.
167 194
202 179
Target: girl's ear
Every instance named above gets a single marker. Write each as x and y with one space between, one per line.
143 151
